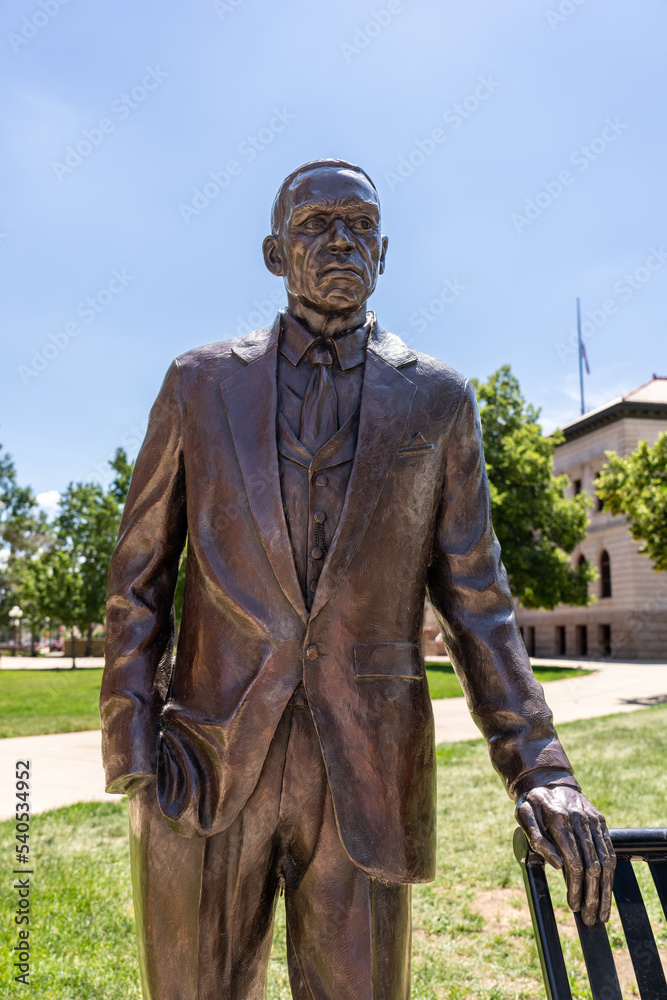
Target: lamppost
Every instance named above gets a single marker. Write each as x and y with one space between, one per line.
15 616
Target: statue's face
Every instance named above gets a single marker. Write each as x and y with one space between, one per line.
330 249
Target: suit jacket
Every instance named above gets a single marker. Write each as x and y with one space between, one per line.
416 516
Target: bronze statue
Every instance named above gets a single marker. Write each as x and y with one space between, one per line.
326 476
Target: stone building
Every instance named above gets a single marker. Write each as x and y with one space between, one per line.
628 620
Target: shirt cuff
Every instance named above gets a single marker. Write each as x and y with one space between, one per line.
543 777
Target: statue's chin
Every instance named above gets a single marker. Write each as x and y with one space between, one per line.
334 302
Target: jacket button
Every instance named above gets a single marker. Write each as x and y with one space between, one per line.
319 517
321 480
312 652
317 552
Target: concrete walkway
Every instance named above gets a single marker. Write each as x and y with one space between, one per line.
66 767
612 688
49 662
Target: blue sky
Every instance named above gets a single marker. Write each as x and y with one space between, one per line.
518 148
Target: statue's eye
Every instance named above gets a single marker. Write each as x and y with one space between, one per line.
315 224
363 225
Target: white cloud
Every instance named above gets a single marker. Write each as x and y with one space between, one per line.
49 501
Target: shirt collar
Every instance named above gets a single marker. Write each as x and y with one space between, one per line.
350 347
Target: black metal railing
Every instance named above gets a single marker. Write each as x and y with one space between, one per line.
645 845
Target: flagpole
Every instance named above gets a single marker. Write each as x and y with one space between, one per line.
581 356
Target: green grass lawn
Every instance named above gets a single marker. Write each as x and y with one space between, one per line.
48 701
65 701
443 682
471 938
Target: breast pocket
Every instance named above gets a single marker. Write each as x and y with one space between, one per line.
388 659
416 449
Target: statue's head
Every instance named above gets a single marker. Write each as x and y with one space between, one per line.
326 241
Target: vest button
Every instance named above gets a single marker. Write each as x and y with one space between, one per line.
317 552
312 586
312 652
319 517
321 480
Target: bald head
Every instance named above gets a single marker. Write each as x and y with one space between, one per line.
326 243
306 177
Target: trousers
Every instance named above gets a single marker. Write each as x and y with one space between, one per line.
205 908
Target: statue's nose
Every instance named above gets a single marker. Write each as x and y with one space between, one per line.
339 239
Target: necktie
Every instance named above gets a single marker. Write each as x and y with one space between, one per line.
319 410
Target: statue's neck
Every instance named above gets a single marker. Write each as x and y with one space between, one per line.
327 324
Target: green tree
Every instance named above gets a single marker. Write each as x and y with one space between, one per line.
60 587
34 590
121 482
86 529
59 570
537 525
24 531
636 487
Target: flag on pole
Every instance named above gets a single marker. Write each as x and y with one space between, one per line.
582 357
585 356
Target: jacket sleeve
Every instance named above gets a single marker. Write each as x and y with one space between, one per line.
470 595
142 582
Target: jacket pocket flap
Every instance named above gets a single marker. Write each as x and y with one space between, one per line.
416 449
388 659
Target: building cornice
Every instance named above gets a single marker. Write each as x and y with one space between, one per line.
610 414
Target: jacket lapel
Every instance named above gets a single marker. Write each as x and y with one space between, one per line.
250 399
386 401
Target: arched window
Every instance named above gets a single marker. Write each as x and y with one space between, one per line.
581 562
605 574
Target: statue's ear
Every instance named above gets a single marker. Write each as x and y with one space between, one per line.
383 254
272 256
